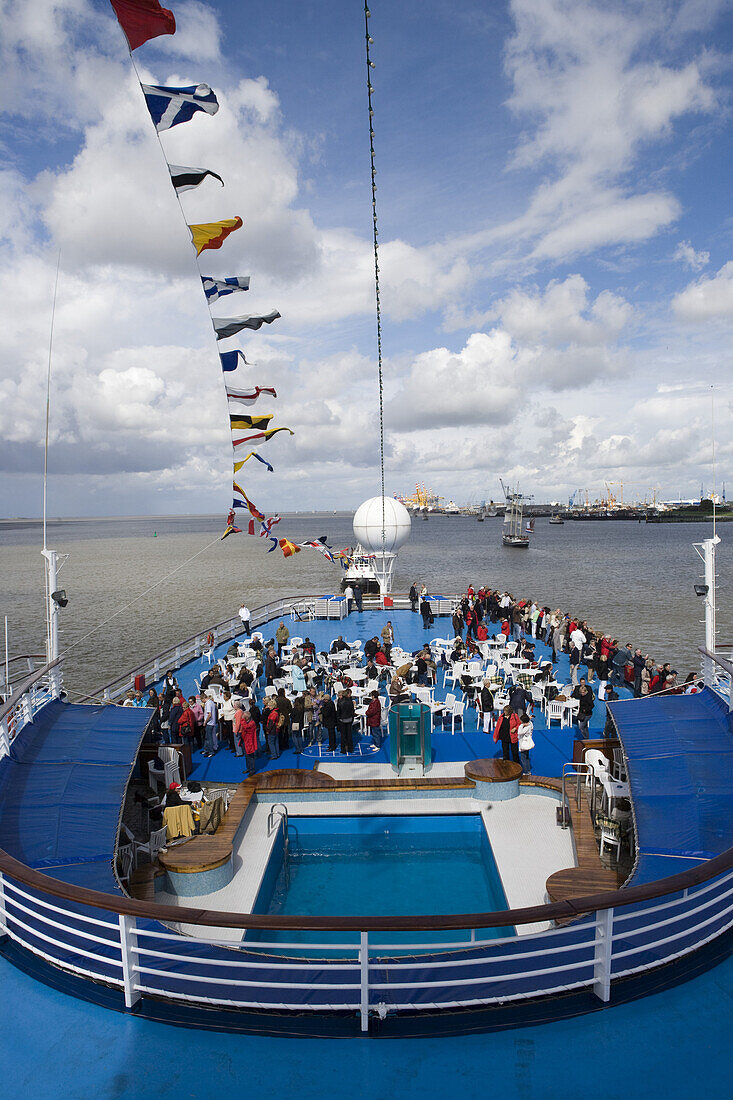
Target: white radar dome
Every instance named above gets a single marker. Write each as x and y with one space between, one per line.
368 524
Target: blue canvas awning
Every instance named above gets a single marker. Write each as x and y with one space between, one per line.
62 789
680 753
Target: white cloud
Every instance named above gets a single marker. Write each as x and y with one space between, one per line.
590 103
688 256
707 299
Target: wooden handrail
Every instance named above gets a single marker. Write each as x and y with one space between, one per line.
562 910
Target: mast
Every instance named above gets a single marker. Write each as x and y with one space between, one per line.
50 556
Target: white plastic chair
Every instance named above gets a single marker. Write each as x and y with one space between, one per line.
219 792
456 712
152 846
611 836
556 712
171 772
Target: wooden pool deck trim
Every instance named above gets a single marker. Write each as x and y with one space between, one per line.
589 876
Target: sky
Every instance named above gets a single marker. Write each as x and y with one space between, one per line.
556 251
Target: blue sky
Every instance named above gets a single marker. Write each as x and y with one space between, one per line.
557 279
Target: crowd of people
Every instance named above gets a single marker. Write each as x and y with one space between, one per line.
321 704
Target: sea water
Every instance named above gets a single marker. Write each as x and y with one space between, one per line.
632 580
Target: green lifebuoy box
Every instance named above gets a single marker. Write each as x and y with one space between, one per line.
409 734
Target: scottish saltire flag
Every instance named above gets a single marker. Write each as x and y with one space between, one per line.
230 326
253 454
230 359
218 288
185 179
248 397
268 524
142 20
171 106
239 444
251 421
213 234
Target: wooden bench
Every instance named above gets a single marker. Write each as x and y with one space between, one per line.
204 853
589 876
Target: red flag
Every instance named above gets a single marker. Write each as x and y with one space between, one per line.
142 20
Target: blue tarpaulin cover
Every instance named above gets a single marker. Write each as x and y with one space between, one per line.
62 787
680 753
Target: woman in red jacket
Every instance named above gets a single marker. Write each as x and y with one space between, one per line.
245 735
505 731
374 719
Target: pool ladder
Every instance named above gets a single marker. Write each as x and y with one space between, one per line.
278 816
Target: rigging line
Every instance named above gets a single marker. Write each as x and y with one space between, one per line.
149 589
370 89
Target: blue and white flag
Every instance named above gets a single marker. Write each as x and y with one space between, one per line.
219 288
171 106
230 359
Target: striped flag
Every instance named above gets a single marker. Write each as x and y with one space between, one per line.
230 326
319 545
218 288
230 359
239 444
248 397
185 179
171 106
251 421
213 234
142 20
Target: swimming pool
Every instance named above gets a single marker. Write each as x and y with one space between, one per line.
396 865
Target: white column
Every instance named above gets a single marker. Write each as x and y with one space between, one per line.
364 980
603 954
706 550
52 638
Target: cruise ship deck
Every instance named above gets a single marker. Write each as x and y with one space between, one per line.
686 1003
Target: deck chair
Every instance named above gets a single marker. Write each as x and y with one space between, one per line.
152 846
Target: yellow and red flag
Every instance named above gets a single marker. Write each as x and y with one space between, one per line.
288 548
213 234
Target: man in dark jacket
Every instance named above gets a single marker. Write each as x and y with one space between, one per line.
328 720
587 701
370 648
271 666
519 699
345 713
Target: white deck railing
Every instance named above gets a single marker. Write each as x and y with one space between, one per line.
125 944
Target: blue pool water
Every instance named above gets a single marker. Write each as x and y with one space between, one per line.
382 866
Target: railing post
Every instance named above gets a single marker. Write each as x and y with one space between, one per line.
364 980
4 738
3 914
602 954
128 948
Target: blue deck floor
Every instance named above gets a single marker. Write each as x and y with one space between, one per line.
553 746
673 1044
